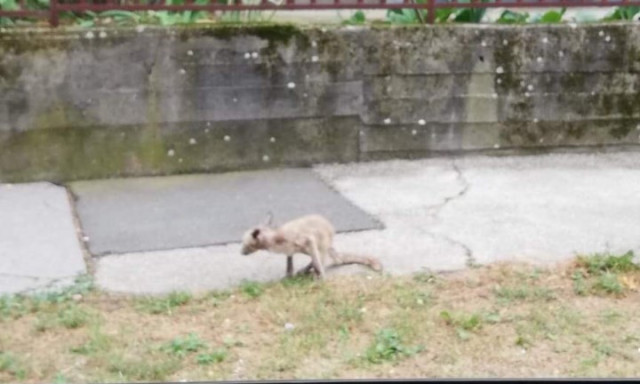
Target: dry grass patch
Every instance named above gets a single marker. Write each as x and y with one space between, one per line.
501 320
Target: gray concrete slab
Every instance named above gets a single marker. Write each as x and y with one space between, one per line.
538 209
403 246
439 214
39 246
546 209
156 213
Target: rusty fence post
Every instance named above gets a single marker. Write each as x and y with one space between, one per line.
54 19
431 11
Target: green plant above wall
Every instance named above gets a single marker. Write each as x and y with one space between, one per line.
121 17
476 15
393 16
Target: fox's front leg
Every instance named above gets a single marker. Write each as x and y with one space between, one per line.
289 265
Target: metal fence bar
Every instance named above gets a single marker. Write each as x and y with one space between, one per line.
431 11
54 18
24 13
76 7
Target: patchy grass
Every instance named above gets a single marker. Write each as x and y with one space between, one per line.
73 317
578 319
67 315
164 305
599 263
523 292
605 274
96 343
123 368
253 289
17 306
182 346
11 366
217 356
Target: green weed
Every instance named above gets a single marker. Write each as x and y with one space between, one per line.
252 289
11 365
388 346
463 323
600 263
73 317
183 346
216 356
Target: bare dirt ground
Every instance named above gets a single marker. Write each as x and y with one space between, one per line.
503 320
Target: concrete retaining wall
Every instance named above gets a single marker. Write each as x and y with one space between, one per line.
104 103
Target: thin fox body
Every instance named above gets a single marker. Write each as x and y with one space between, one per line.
311 235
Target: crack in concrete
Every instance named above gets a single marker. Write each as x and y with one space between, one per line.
44 286
468 252
42 283
18 276
435 212
463 191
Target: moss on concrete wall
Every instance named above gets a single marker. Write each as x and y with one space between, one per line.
140 101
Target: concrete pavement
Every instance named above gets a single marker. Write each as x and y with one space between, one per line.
438 214
39 245
156 213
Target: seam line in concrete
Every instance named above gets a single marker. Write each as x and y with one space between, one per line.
80 235
333 189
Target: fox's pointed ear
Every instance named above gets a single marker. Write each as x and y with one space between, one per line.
269 220
255 233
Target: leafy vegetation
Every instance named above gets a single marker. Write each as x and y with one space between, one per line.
252 289
605 273
393 16
463 323
123 17
388 346
461 15
550 17
624 13
512 17
17 306
476 15
181 346
358 18
216 356
164 305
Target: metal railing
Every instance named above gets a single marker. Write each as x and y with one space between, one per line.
52 11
